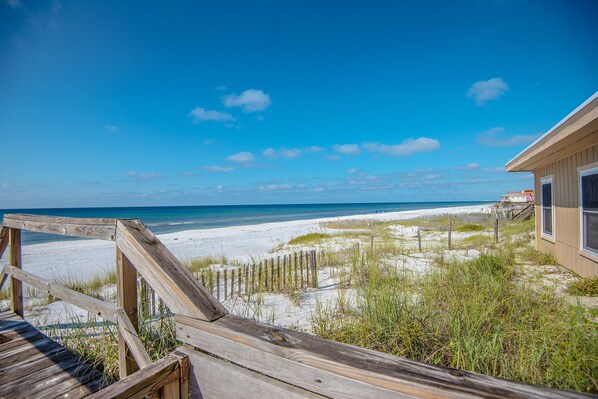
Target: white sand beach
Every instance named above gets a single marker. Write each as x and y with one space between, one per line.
82 259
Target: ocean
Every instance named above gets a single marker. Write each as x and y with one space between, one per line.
170 219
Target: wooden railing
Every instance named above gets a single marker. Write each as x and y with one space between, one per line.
230 356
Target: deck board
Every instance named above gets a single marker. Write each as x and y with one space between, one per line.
33 365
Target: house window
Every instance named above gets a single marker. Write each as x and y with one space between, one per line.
547 211
589 209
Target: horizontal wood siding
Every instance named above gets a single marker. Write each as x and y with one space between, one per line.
566 229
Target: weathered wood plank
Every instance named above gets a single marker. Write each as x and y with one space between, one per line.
172 282
215 378
3 239
340 370
102 309
126 290
39 367
134 344
103 229
142 382
16 286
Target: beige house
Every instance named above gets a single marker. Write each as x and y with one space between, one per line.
564 162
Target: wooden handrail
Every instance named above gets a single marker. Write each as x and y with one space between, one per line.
164 273
173 369
103 229
339 370
100 308
3 240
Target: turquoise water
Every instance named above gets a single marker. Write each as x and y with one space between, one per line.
170 219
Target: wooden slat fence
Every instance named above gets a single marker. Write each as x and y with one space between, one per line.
284 274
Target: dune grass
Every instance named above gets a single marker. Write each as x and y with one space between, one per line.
309 239
584 287
473 315
198 264
538 257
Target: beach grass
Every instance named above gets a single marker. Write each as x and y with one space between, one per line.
472 315
584 287
309 239
541 258
198 264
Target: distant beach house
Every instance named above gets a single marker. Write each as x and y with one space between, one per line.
518 197
564 162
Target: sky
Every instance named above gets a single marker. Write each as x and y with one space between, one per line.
137 103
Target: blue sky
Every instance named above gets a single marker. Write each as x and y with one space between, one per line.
252 102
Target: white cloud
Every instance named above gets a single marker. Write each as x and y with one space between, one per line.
348 149
487 90
407 147
352 171
288 153
313 148
494 138
13 3
216 168
187 174
111 128
245 157
249 101
469 166
332 157
269 153
274 187
498 169
200 114
142 176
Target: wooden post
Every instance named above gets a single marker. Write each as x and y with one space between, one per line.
211 282
252 278
232 283
218 284
295 271
284 271
307 266
419 239
278 274
203 279
449 232
16 286
126 291
260 277
496 230
301 268
314 264
246 279
372 243
239 281
266 283
225 284
272 274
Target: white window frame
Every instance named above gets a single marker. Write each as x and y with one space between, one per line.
588 170
544 180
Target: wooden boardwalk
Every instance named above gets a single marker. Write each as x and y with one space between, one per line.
33 365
